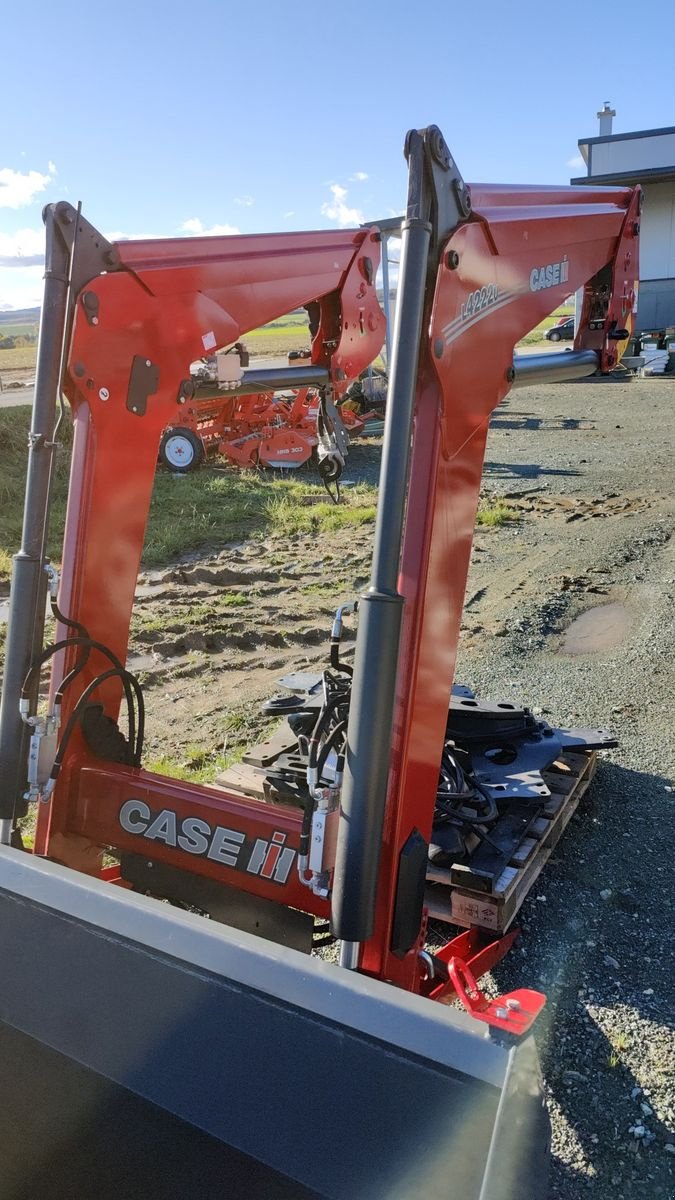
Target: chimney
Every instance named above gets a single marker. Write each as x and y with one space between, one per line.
606 113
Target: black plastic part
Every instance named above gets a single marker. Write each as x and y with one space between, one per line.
281 706
230 906
490 859
412 867
470 720
103 736
143 382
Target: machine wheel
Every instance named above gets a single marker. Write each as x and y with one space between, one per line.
181 450
554 337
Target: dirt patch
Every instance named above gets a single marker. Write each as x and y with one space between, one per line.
214 636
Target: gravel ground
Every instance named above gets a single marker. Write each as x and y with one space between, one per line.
590 472
598 925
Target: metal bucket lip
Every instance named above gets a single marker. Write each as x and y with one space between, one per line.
447 1037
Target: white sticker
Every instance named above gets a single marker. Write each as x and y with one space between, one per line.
468 911
209 340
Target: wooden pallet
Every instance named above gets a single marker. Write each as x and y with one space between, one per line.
457 896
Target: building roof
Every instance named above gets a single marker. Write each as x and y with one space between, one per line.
629 158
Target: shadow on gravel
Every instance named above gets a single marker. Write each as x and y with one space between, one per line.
517 420
606 963
524 470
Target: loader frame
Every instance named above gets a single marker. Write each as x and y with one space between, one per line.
480 266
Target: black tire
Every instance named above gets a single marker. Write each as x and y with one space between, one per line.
554 336
181 450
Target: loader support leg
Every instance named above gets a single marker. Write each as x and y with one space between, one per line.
28 591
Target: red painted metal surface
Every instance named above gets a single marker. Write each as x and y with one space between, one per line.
175 301
99 794
480 310
514 1012
478 950
523 252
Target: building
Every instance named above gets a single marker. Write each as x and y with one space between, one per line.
647 157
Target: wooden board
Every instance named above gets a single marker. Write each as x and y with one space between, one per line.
493 904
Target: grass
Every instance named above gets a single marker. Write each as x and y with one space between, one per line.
198 764
17 359
202 764
14 427
537 334
188 512
620 1043
216 505
493 514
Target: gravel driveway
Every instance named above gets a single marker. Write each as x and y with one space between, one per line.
591 468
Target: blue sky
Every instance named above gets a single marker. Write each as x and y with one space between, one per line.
168 119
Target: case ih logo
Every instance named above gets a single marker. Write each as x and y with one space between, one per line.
550 275
271 860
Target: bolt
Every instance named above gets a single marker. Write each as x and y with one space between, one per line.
452 260
94 320
513 1004
148 362
103 394
133 408
501 1013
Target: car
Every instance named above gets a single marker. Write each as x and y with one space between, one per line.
562 332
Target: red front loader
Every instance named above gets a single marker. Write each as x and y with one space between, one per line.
144 1050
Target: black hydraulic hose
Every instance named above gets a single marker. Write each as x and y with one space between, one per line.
81 662
329 744
91 645
326 712
129 681
73 719
69 624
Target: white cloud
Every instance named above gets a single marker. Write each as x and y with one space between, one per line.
337 210
20 187
577 161
118 236
244 201
25 248
51 167
21 288
290 213
358 177
195 227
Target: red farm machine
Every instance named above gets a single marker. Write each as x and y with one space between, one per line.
144 1050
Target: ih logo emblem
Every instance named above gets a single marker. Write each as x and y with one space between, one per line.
271 860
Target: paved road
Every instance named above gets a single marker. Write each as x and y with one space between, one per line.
14 396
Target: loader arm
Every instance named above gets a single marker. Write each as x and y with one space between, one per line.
499 262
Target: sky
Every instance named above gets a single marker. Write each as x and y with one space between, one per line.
170 119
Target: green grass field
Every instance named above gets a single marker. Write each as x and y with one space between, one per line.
214 505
